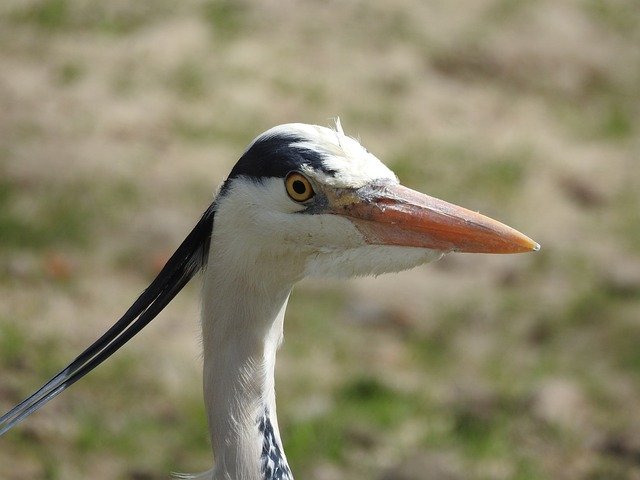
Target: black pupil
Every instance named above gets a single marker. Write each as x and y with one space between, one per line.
299 187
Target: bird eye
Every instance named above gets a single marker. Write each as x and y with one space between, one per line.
298 187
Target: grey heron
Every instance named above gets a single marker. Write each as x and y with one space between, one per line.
302 200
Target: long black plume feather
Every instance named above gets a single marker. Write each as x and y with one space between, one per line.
188 259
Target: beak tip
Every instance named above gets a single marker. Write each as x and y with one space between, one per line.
528 245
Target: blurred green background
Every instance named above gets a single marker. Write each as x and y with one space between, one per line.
119 119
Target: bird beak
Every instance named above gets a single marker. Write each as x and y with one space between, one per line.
391 214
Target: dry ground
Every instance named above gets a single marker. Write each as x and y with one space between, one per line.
119 119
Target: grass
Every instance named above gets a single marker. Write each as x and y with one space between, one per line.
211 131
365 410
226 18
610 118
138 413
311 315
12 345
494 175
621 16
188 80
58 220
624 219
59 16
378 404
70 72
310 93
52 216
48 14
471 103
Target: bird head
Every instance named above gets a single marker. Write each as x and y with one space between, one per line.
302 200
317 201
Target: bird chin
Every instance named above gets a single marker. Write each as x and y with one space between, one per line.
368 260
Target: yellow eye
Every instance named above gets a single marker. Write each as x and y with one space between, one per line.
298 187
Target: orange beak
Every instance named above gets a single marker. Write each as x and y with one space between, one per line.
390 214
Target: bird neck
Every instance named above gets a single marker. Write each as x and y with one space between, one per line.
243 314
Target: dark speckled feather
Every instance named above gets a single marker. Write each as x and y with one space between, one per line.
273 464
